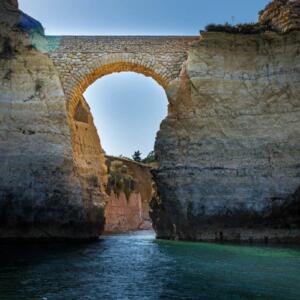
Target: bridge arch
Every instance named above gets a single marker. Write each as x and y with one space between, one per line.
87 73
88 154
81 60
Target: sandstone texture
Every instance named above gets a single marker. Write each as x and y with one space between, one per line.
283 15
42 192
124 214
229 149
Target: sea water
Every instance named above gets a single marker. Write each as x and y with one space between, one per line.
136 266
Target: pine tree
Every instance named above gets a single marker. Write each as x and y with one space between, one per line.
137 156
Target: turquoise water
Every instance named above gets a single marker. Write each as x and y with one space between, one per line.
139 267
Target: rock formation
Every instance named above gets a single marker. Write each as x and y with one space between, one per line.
228 149
42 190
230 146
128 213
283 15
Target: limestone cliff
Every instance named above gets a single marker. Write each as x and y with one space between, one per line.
127 213
283 15
229 149
42 192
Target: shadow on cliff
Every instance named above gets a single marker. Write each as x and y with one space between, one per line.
288 214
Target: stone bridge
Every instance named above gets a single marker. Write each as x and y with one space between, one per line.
81 60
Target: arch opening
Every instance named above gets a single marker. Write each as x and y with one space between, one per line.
124 210
88 75
128 109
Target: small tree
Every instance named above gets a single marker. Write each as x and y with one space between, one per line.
137 156
150 158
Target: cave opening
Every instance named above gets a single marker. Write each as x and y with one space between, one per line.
116 121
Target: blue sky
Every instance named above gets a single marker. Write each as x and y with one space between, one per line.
128 107
126 17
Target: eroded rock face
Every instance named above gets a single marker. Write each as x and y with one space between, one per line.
124 215
230 147
283 15
88 159
129 213
42 194
13 3
228 150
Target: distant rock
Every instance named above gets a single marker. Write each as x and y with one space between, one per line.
123 212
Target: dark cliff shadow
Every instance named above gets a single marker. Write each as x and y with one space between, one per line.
37 252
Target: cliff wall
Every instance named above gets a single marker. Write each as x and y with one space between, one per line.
42 194
127 213
283 15
229 149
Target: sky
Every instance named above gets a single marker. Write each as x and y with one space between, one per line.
134 17
128 107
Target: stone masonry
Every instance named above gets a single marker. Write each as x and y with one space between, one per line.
81 60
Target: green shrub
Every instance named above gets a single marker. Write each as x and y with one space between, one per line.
150 158
119 180
246 28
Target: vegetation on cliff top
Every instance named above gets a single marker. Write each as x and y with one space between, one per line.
246 28
137 157
119 180
150 158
